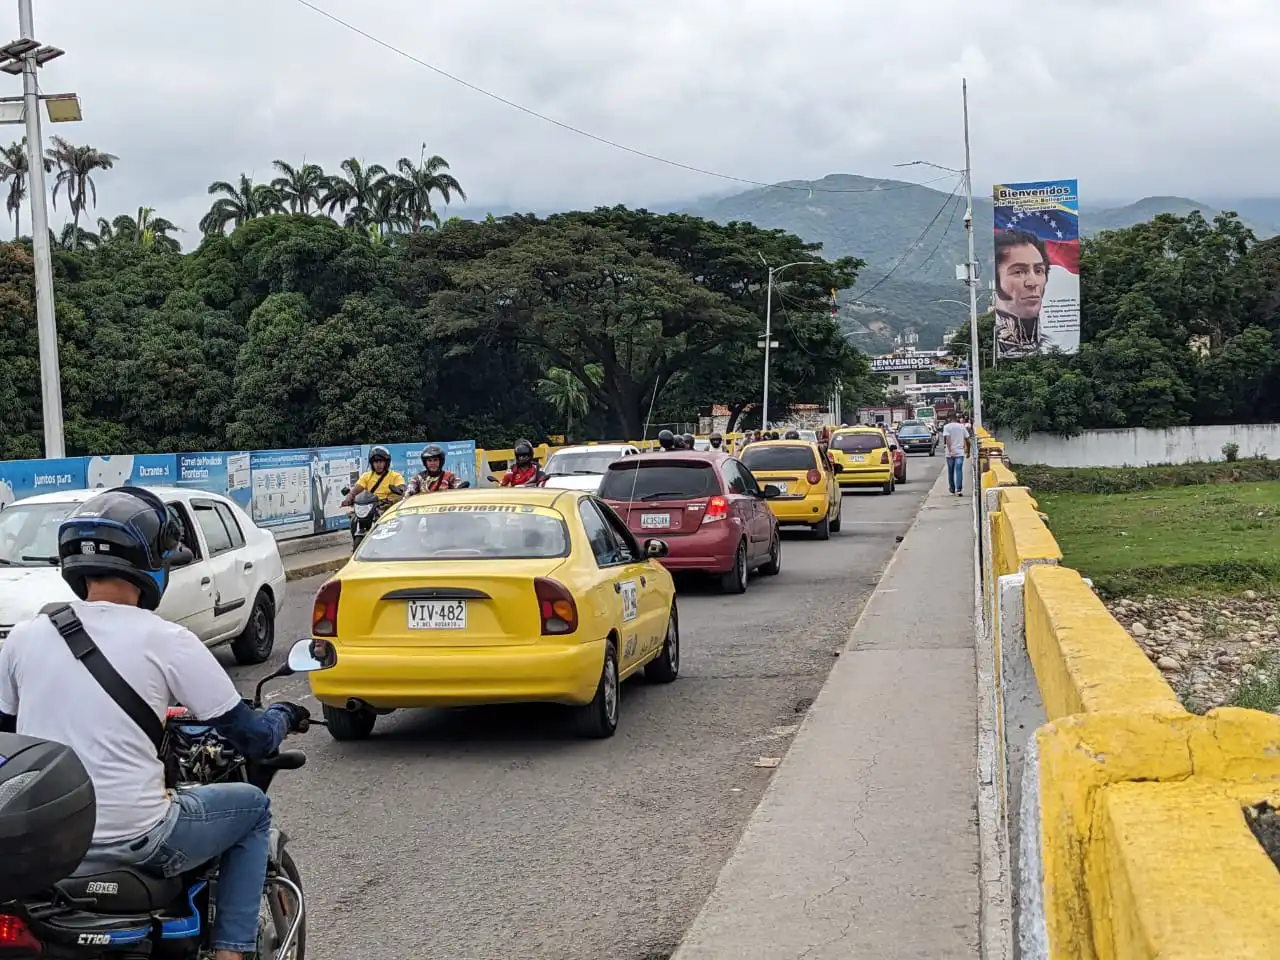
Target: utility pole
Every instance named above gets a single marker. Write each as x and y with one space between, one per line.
975 352
46 322
768 343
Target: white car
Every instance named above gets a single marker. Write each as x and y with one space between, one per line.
582 468
228 592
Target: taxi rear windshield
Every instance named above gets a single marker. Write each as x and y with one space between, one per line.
657 480
857 442
761 459
502 532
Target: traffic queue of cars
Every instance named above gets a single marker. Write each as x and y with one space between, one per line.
559 593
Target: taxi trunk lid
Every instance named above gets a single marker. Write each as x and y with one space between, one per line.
456 603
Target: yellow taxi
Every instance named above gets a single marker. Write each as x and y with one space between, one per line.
863 454
498 595
806 478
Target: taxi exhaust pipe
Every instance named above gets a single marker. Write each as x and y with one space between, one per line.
355 705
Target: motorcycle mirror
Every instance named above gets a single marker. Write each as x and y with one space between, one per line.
284 670
345 491
491 478
302 659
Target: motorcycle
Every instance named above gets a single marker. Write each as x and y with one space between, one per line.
366 508
125 914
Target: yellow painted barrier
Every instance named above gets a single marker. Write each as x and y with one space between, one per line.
1143 848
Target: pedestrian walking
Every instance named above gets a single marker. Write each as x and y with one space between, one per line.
955 438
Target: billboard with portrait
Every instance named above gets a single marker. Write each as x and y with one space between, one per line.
1037 268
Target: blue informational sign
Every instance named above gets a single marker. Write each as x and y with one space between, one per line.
332 470
225 472
139 470
26 478
459 458
282 500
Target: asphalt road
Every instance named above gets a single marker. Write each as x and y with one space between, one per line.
496 834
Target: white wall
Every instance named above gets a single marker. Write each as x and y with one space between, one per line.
1142 447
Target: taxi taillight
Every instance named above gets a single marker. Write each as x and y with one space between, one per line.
556 607
324 616
884 457
813 477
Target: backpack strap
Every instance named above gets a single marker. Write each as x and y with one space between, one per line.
83 648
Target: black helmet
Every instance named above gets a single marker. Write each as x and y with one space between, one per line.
126 533
716 439
677 443
379 453
793 435
47 814
433 451
523 452
666 439
688 441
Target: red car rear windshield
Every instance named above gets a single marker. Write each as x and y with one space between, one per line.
642 480
857 442
759 459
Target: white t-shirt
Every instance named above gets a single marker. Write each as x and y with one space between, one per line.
56 698
954 435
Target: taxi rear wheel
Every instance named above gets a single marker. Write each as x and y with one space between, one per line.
346 724
599 718
835 524
666 667
887 488
822 529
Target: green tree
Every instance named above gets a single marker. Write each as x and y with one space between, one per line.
411 186
14 169
240 202
356 193
76 167
301 187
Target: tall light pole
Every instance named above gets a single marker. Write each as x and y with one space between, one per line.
975 377
25 56
768 329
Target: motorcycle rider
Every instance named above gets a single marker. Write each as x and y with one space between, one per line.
433 476
792 435
380 480
525 472
666 440
716 441
115 551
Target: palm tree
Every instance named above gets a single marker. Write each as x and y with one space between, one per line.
13 171
241 203
359 189
567 394
412 186
146 230
300 187
75 177
74 236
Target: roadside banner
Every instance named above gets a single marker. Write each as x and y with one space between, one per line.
225 472
1037 268
139 470
26 478
332 469
281 501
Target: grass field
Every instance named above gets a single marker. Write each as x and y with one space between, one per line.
1204 540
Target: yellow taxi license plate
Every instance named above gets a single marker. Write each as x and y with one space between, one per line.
437 614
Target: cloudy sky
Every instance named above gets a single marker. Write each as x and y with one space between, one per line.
1133 97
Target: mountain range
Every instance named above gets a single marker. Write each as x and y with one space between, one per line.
912 237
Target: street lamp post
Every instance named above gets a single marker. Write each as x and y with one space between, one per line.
25 56
768 329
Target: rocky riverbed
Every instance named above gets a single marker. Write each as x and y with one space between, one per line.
1207 648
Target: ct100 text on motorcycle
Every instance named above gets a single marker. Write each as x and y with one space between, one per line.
122 838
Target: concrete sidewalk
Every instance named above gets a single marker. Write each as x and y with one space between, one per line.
865 845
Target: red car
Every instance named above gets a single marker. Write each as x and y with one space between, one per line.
899 458
708 508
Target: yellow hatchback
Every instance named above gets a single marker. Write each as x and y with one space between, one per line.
863 454
806 478
492 596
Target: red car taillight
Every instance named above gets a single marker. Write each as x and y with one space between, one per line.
556 606
324 616
717 509
814 477
15 935
884 457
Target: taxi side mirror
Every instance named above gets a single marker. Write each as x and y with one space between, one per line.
837 468
771 492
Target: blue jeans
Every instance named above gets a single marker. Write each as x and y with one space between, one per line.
227 820
955 474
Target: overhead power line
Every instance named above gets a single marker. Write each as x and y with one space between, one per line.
912 246
588 134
